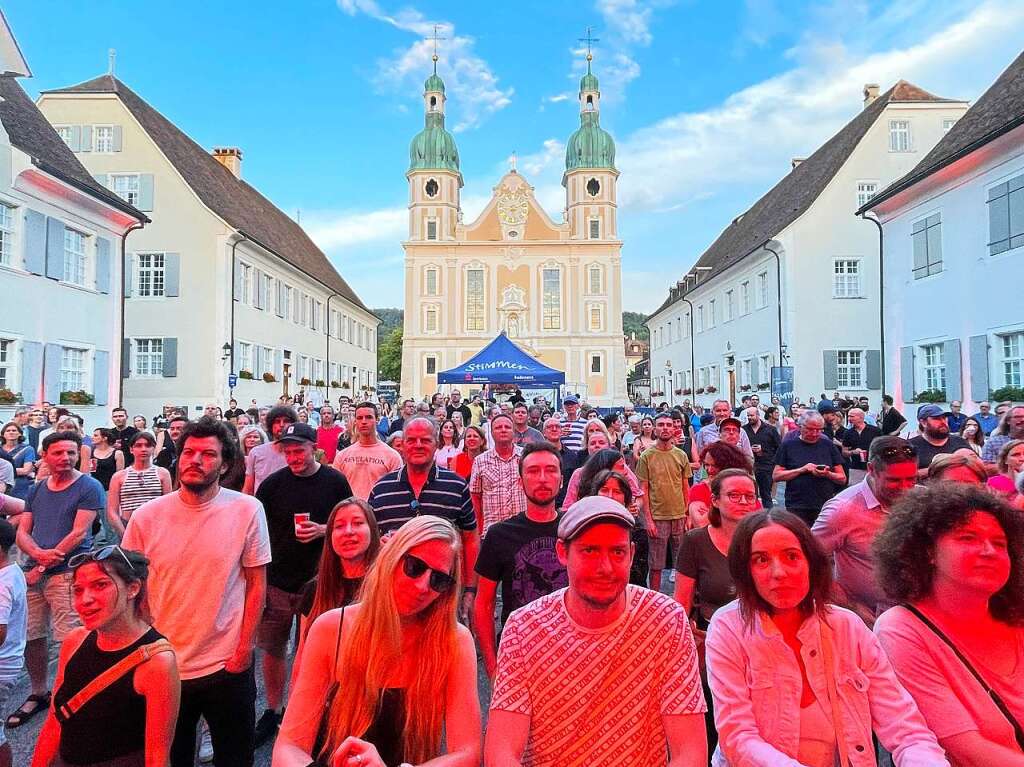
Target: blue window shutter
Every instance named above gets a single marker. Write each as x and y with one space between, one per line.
907 373
54 249
170 358
76 138
954 383
101 179
31 370
979 368
257 360
874 369
280 298
86 138
35 242
830 362
257 299
102 265
101 377
146 191
129 274
172 275
117 138
237 290
126 358
51 372
278 364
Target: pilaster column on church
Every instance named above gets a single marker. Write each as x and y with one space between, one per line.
575 293
451 296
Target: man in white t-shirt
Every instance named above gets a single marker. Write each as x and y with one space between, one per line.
208 549
13 624
601 674
368 459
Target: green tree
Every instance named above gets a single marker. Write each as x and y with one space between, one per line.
389 357
633 322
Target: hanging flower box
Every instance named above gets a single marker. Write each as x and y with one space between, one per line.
8 397
711 389
269 377
678 392
335 385
346 385
745 387
700 390
764 386
245 375
304 381
76 398
687 391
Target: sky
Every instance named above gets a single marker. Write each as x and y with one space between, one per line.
708 100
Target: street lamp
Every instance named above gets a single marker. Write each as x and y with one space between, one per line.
225 351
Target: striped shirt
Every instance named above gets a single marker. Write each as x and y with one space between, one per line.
445 494
137 487
574 439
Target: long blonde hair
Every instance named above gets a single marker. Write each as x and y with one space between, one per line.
372 649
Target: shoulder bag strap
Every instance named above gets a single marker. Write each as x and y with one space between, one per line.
828 659
1018 732
111 675
320 739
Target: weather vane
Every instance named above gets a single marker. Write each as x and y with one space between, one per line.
436 38
589 40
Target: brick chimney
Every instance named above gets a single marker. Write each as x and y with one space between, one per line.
230 157
870 93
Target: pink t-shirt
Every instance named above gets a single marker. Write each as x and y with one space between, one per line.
1003 485
363 466
948 696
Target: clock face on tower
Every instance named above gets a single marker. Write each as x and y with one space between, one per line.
431 188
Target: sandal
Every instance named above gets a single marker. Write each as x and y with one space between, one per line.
22 715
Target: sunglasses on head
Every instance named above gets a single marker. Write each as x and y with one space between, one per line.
414 567
98 555
897 451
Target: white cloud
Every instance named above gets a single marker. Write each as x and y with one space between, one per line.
631 19
338 230
469 80
751 136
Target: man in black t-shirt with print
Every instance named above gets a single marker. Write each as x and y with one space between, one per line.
811 466
519 552
297 500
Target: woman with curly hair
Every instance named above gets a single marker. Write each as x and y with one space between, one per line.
953 558
381 680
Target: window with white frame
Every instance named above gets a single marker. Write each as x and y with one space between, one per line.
7 359
595 318
947 123
711 313
730 305
245 282
762 290
934 367
764 369
595 363
287 297
899 135
846 278
318 370
334 373
431 321
595 229
430 365
865 191
149 275
745 372
104 138
431 228
713 376
849 369
148 358
927 242
551 299
1013 359
266 288
267 361
245 356
474 299
73 369
298 306
74 258
126 186
430 281
7 233
66 133
307 301
318 310
745 297
595 279
700 318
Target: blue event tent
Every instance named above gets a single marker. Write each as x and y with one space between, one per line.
502 362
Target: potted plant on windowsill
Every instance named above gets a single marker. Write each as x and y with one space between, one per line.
711 389
8 397
245 375
76 398
934 396
679 392
745 387
763 386
700 390
335 385
304 381
320 383
269 377
346 385
687 391
1008 393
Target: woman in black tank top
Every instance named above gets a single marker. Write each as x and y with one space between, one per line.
106 459
134 713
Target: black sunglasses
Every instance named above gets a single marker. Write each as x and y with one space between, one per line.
414 567
901 451
98 555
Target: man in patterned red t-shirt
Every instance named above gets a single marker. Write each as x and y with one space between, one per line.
601 674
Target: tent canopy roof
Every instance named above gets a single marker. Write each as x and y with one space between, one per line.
502 362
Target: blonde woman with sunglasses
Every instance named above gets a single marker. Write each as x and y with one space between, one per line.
381 680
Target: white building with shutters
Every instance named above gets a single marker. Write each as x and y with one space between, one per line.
954 258
796 277
222 282
60 236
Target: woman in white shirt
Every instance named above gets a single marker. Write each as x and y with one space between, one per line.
797 682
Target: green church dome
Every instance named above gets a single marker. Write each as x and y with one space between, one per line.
433 148
590 146
434 83
589 82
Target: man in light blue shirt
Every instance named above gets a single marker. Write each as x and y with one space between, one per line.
986 418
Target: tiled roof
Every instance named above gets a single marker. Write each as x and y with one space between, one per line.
30 132
999 110
231 198
796 192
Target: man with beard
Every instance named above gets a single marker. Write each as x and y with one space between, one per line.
519 553
934 438
208 551
625 650
664 471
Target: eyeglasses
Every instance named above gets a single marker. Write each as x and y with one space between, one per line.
414 567
741 497
98 555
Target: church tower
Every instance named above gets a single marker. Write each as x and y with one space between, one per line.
434 177
590 174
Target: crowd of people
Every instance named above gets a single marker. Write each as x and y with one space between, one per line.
629 580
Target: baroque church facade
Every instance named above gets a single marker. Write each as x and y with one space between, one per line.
554 287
